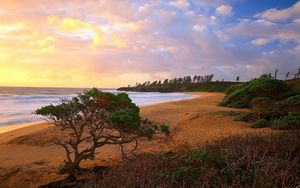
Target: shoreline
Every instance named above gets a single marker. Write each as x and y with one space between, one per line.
13 127
29 156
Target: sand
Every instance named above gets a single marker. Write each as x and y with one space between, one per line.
28 157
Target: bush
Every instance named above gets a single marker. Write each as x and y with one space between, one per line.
241 96
268 87
290 121
241 117
261 103
291 104
260 123
61 169
165 129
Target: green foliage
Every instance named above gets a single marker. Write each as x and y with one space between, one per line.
61 169
291 104
146 122
240 96
128 117
290 121
268 87
165 129
260 123
241 117
261 103
149 132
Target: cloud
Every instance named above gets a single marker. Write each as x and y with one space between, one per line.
224 10
132 41
281 15
181 4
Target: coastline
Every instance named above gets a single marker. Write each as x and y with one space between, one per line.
13 127
29 157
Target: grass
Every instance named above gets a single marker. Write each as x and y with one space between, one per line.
238 161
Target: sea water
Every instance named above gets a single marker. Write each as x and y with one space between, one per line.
17 104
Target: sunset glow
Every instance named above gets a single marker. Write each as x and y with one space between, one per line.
107 43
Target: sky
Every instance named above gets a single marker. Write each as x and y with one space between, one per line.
112 43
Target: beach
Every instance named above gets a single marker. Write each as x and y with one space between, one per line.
29 157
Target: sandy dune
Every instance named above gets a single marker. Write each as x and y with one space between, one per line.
28 157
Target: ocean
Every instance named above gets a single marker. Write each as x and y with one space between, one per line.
17 104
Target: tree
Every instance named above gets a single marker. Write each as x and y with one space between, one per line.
96 118
275 75
237 78
287 75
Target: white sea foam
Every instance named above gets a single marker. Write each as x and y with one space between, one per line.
17 104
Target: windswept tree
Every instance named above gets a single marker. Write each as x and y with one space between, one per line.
94 119
275 75
287 75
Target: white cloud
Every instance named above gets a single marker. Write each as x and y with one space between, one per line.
281 15
224 10
199 28
181 4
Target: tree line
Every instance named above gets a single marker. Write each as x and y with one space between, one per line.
180 80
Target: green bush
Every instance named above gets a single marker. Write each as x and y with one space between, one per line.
165 129
268 87
261 103
290 121
241 117
149 132
240 96
128 117
61 169
260 123
291 104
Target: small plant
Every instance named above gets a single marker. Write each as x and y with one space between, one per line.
290 121
149 133
165 129
61 169
241 117
260 123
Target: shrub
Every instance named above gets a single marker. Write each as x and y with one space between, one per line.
165 129
261 103
268 87
291 104
241 96
60 169
260 123
290 121
241 117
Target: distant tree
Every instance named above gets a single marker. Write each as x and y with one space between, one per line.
159 82
270 75
237 78
287 75
166 81
275 75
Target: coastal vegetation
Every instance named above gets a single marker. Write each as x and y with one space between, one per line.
187 83
273 103
237 161
99 119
